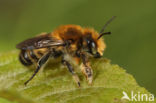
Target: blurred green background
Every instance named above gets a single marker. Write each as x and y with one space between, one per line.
131 45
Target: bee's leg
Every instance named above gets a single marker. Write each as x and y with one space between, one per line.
39 65
86 69
71 70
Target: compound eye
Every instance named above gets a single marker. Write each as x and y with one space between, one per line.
93 45
93 48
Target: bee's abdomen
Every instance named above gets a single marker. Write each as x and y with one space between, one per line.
34 56
25 58
29 57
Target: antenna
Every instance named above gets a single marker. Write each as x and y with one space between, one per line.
103 29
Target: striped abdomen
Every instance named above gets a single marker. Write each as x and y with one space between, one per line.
28 57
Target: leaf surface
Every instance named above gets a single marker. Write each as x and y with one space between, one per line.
54 84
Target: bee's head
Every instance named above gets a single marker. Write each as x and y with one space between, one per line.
92 45
92 48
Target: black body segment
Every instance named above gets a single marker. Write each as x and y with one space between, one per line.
23 61
24 58
33 56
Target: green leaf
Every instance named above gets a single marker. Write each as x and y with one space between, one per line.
54 84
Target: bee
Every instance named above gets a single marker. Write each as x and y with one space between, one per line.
77 42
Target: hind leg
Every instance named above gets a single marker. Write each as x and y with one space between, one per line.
39 65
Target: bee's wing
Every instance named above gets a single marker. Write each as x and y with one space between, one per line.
42 41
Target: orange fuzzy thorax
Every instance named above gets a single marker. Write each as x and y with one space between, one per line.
75 32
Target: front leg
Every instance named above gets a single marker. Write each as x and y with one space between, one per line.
86 69
71 70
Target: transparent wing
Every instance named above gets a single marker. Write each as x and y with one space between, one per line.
42 41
